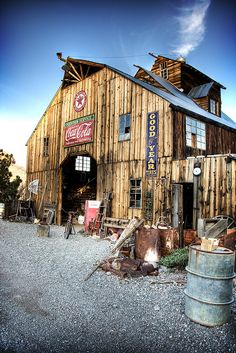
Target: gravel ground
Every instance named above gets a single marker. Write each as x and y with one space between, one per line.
47 306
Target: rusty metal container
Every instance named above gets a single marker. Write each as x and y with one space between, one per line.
148 246
209 291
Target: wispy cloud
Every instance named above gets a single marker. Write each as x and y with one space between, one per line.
191 22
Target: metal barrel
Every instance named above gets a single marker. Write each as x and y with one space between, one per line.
209 290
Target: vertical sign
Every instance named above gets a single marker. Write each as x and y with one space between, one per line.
152 144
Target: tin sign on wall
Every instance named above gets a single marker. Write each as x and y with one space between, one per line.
152 144
80 101
79 131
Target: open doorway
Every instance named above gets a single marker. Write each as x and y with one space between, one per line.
188 205
79 174
182 208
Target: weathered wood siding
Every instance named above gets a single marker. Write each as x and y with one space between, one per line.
215 188
45 168
219 140
108 96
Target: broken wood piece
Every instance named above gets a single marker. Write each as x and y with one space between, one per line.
127 232
217 229
93 270
96 267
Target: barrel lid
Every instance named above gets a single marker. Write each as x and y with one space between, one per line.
219 250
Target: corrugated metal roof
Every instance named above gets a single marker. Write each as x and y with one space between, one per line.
200 91
179 102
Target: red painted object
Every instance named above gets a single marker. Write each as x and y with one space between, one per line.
90 211
79 131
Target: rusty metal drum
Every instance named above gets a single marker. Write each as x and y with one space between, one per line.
148 245
209 290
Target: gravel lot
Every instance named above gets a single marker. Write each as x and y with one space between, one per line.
47 306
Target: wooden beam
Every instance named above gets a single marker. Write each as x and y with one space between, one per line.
153 55
81 71
87 71
70 73
217 229
67 79
75 71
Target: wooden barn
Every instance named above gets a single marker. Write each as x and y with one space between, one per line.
157 143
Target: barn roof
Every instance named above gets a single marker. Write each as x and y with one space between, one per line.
178 99
200 91
169 92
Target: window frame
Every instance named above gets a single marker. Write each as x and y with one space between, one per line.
213 106
135 193
164 72
195 133
83 164
45 146
123 126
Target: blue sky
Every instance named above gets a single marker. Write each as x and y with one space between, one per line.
118 33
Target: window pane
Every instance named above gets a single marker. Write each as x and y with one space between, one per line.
82 163
127 120
189 142
124 127
188 135
188 128
135 193
195 133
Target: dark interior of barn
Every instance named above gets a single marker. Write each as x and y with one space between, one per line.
79 176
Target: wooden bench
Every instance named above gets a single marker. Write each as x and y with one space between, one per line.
114 223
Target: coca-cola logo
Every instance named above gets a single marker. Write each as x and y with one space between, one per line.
79 132
80 101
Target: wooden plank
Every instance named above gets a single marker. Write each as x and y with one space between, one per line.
217 229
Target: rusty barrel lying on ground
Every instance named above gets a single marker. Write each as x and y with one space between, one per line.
209 291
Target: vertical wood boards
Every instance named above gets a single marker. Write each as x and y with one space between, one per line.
214 189
110 95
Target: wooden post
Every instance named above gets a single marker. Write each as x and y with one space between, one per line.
177 211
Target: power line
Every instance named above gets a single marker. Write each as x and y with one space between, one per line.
112 57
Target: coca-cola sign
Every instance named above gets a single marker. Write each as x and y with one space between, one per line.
79 131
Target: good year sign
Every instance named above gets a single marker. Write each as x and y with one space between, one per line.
152 144
79 131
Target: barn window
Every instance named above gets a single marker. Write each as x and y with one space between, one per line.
45 146
135 194
195 133
124 129
213 106
82 164
164 70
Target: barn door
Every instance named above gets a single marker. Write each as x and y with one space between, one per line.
177 210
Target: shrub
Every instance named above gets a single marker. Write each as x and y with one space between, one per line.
178 258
